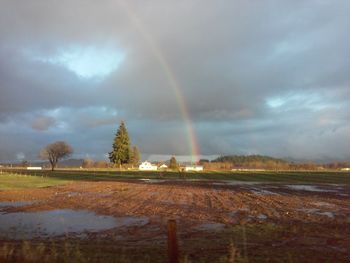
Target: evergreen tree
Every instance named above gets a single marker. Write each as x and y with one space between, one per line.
173 163
135 155
120 153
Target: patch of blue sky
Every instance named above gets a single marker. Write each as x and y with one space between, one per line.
86 62
300 100
275 102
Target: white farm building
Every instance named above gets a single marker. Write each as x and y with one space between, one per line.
34 168
147 166
194 168
163 167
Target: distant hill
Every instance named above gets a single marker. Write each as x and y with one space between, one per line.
62 163
71 162
242 160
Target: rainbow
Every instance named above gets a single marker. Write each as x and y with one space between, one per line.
170 75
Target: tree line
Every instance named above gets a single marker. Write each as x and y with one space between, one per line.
230 162
123 153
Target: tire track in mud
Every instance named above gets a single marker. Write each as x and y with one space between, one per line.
116 203
134 201
156 203
219 201
176 206
208 201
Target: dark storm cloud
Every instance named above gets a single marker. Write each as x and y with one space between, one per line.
268 77
43 123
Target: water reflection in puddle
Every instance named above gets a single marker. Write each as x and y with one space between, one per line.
317 212
153 181
311 188
233 183
258 191
15 203
262 217
24 225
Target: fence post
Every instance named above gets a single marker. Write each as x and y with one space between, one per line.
173 250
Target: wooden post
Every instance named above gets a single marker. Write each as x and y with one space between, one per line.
173 250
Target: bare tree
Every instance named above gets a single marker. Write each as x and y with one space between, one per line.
56 151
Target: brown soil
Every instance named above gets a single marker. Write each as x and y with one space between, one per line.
265 222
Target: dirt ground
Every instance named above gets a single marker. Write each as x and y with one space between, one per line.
263 222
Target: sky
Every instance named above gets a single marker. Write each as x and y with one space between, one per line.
239 77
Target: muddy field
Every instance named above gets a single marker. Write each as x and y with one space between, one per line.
216 221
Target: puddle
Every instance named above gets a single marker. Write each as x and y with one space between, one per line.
238 212
262 192
15 203
328 214
128 221
237 183
210 227
310 188
262 217
316 211
153 181
27 225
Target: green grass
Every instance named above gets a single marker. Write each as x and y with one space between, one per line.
9 181
28 179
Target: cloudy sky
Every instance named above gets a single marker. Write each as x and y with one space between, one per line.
258 77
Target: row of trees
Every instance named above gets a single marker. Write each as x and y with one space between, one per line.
337 165
89 163
256 162
260 165
243 160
